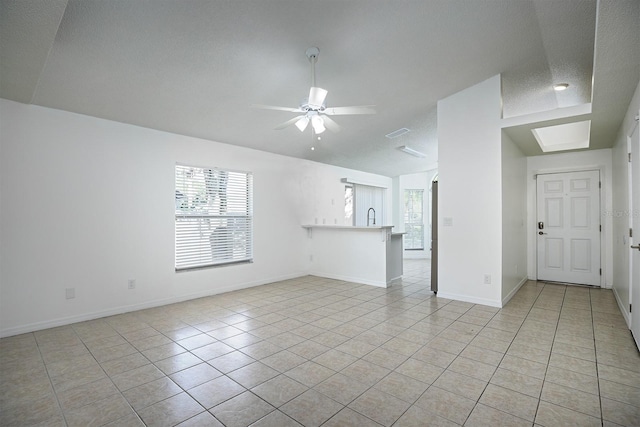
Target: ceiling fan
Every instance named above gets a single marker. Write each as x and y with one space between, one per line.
313 108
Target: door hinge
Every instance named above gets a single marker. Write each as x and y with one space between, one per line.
600 184
629 157
601 272
630 306
601 228
630 232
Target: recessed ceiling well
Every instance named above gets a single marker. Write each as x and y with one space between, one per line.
568 136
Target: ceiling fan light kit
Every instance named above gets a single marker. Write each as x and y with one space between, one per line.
302 123
313 108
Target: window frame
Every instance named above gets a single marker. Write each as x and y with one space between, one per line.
206 232
409 224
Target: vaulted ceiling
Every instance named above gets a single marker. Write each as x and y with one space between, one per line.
195 67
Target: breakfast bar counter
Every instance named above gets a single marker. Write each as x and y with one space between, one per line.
370 255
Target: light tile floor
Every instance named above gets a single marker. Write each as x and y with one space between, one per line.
314 351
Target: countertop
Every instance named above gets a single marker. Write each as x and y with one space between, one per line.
349 227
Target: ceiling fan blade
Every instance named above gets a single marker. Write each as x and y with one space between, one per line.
274 107
330 124
288 122
340 111
317 96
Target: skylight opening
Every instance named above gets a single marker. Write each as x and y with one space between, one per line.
569 136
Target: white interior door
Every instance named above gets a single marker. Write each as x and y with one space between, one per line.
635 223
568 227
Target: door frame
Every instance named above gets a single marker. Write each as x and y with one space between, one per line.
625 312
532 215
629 315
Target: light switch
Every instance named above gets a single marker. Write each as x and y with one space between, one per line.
447 221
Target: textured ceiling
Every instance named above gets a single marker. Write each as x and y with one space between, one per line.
195 67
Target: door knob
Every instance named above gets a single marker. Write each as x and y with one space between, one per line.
635 247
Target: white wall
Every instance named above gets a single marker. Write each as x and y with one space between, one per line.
89 203
514 216
567 162
470 192
621 213
417 181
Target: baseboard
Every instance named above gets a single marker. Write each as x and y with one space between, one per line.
510 295
379 284
623 310
62 321
467 298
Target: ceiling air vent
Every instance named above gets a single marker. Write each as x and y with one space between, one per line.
397 133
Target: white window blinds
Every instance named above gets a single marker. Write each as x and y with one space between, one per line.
369 197
214 217
413 220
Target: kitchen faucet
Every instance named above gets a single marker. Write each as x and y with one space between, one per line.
374 216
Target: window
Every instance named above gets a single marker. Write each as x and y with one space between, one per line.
348 204
214 217
413 220
367 197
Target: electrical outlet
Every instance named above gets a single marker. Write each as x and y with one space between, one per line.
132 283
70 293
487 279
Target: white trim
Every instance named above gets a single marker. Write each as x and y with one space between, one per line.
605 231
628 316
625 313
376 283
474 300
359 182
546 117
510 295
62 321
631 240
189 165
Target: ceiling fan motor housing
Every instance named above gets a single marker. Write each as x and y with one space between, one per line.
312 52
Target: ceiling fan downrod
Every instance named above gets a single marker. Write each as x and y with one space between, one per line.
312 54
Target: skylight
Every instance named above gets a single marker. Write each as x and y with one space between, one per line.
569 136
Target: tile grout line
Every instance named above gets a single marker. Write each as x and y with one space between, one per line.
595 355
555 332
55 393
502 358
